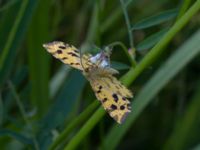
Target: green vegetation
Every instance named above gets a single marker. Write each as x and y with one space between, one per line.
47 105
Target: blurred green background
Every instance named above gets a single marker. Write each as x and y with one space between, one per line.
47 105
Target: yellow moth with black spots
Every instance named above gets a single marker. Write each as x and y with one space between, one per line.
108 90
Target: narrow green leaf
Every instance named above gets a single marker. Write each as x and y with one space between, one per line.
155 20
58 79
172 66
119 66
150 41
17 136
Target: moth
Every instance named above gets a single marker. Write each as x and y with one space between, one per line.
113 95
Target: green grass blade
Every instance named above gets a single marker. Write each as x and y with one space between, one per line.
13 28
13 32
38 57
94 23
172 66
58 79
183 134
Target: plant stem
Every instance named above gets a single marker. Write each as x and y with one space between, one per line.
183 8
77 121
85 129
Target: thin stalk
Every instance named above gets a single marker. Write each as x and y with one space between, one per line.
128 24
23 112
118 43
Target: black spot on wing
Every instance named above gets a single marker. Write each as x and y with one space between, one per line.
104 100
76 51
99 91
64 58
62 47
124 98
59 51
72 54
115 97
122 107
113 107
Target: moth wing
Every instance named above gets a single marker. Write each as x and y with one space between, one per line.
113 96
67 54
